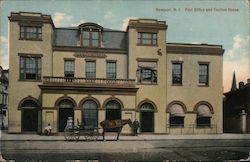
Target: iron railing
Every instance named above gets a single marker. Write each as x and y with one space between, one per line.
102 82
192 129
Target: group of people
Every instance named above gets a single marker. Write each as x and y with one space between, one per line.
135 126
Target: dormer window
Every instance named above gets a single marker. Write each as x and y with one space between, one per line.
91 38
91 35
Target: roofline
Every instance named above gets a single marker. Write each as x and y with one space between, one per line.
34 17
195 49
201 44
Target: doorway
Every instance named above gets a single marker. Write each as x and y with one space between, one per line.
29 116
147 118
113 112
29 120
66 110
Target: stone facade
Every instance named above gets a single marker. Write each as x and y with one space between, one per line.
117 74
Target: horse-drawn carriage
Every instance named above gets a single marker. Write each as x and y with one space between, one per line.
72 132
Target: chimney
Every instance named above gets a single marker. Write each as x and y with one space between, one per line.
248 83
241 85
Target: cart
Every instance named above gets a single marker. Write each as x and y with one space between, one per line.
73 133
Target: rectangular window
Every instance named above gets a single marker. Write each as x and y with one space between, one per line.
176 73
90 69
86 38
31 32
111 70
147 72
95 38
30 68
203 74
69 68
203 122
176 121
147 38
91 38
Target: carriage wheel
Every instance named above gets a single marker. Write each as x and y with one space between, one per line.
72 133
95 134
92 135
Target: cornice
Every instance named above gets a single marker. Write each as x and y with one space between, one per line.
147 24
81 49
81 89
195 49
31 18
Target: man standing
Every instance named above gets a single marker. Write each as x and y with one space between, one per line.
136 126
47 130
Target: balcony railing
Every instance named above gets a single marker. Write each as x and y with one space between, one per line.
89 82
192 129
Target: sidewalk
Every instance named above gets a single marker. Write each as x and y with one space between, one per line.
4 136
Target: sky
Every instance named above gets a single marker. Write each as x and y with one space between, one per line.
220 22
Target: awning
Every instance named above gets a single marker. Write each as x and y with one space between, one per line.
203 111
176 111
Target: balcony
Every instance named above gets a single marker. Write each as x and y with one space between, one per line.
88 82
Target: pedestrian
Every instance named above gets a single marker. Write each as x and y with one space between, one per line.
47 130
136 126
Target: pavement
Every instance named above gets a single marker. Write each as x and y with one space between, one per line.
4 136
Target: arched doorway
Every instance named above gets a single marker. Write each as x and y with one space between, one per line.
29 118
66 109
90 113
147 117
113 112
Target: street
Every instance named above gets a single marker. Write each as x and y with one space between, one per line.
127 150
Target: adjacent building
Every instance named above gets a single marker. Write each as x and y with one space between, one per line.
3 97
92 73
236 108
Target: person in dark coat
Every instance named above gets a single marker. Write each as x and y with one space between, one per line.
136 126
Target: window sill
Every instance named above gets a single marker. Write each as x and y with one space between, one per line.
175 84
154 84
150 45
202 127
203 85
28 39
29 80
176 126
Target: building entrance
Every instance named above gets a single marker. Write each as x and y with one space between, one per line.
113 112
66 110
147 118
29 118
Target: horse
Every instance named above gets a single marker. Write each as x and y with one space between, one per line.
118 124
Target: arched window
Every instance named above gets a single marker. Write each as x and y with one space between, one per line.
91 34
29 104
113 110
176 116
203 116
147 117
66 104
90 113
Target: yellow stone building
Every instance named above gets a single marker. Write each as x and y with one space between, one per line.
92 73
